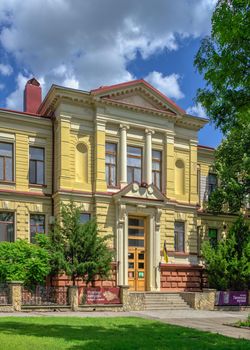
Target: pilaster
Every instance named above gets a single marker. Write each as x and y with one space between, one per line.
169 164
193 191
62 152
100 180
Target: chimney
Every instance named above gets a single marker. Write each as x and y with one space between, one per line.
32 96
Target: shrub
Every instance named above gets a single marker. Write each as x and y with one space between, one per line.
23 261
228 263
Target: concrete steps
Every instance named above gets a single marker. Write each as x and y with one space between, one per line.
165 301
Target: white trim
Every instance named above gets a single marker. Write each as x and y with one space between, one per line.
6 137
37 141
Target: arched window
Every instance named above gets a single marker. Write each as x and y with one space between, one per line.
179 177
81 163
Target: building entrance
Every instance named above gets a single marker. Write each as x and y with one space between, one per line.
137 253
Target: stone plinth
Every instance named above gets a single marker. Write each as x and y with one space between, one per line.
16 294
73 298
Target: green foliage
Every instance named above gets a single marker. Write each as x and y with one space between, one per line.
228 264
245 323
77 249
223 60
22 261
233 167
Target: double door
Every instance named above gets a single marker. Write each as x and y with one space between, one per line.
136 253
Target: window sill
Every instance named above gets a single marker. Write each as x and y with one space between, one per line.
175 253
113 187
7 182
37 186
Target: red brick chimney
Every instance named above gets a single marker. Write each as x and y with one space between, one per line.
32 96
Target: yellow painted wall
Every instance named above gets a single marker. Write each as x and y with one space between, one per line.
182 178
26 131
22 208
39 135
75 175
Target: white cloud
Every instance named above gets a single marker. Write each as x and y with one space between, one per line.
169 84
71 83
15 99
86 44
5 69
197 110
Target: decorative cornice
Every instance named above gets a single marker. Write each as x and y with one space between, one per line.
58 93
24 193
135 108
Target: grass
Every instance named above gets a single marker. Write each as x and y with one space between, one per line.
244 323
52 333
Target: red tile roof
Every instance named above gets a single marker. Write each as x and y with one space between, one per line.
102 89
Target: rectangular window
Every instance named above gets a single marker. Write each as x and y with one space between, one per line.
6 161
157 168
37 168
84 217
6 227
110 164
179 236
134 164
213 236
37 225
212 183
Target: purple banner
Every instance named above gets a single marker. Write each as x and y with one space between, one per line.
232 298
100 295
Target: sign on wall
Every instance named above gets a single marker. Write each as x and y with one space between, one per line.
232 298
101 295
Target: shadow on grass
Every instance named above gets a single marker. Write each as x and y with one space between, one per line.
114 333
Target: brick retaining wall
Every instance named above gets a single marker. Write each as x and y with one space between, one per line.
64 280
182 278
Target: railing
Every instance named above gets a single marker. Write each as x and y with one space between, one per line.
44 295
4 294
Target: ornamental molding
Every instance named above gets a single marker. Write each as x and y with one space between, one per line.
140 194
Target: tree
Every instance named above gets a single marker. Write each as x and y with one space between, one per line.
228 264
233 167
223 60
77 249
22 261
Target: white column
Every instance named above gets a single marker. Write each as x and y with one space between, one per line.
121 244
157 249
148 159
151 265
123 155
125 250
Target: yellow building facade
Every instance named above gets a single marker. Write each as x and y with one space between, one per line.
129 157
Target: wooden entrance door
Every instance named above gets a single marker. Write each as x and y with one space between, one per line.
136 253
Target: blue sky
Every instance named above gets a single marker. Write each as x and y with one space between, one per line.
83 44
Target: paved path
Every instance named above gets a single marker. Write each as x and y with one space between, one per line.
211 321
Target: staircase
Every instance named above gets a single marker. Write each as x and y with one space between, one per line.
164 301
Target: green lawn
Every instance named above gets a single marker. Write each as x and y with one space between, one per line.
35 333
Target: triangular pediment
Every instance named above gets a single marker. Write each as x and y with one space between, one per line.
138 93
139 100
138 192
